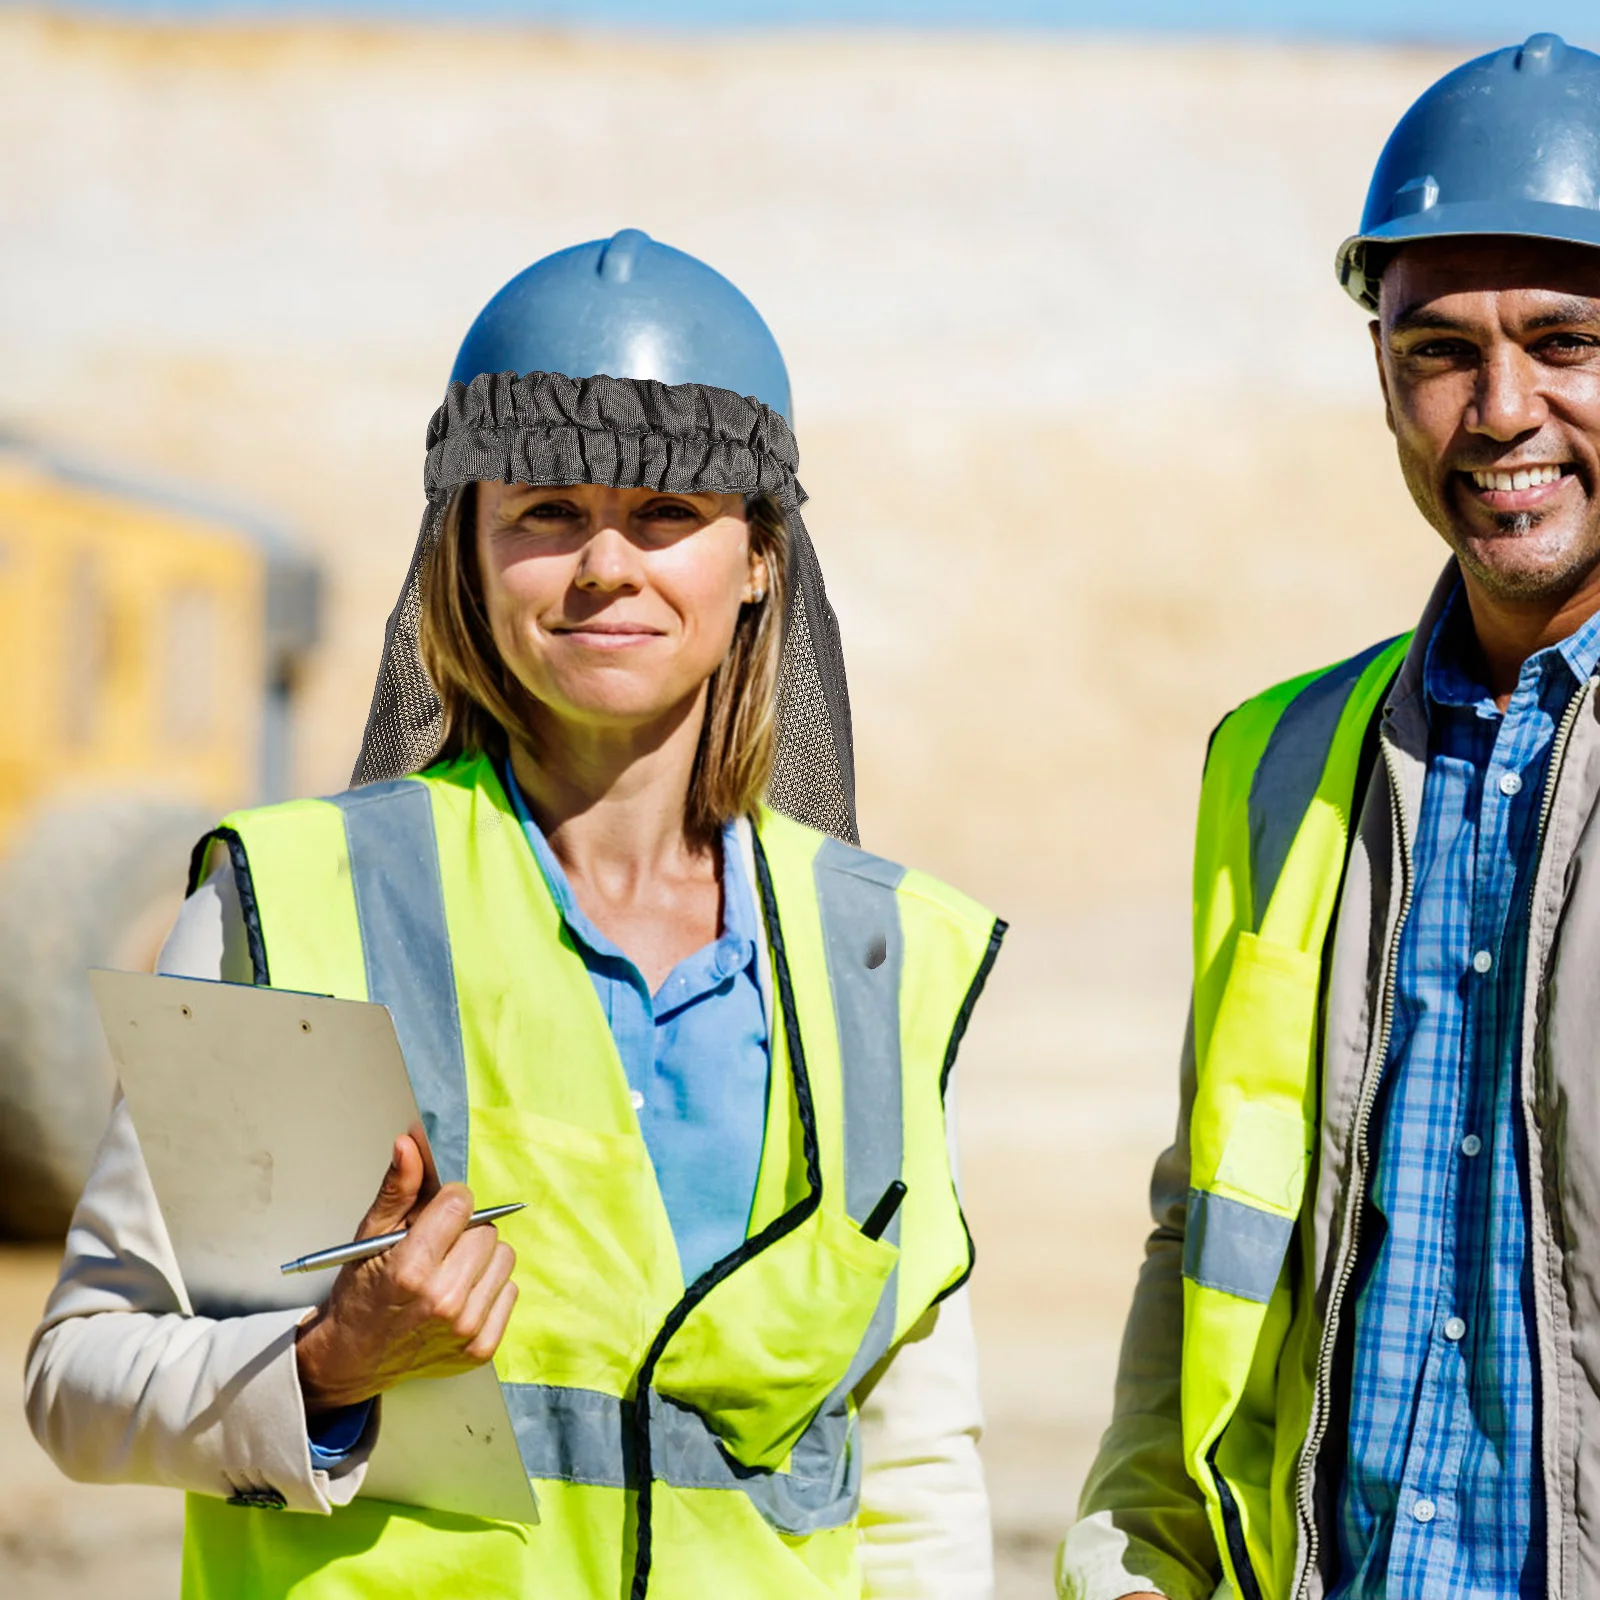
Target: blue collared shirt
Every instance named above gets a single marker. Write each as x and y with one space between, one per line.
696 1054
1442 1494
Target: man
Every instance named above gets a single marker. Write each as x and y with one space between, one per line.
1364 1352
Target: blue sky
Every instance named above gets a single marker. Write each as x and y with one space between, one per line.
1493 20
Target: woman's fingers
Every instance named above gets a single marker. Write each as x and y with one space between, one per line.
485 1292
487 1340
453 1279
439 1299
430 1238
397 1194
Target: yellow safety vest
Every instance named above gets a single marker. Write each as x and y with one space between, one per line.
691 1440
1272 843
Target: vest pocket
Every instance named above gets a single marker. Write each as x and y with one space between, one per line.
1249 1129
593 1275
762 1351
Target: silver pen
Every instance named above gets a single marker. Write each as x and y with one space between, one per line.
340 1255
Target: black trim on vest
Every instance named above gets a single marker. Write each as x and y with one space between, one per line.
974 993
775 1230
245 885
1232 1525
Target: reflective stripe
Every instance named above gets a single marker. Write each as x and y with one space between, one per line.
866 956
1233 1247
1290 770
405 942
584 1436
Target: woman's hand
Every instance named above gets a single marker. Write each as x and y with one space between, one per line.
435 1304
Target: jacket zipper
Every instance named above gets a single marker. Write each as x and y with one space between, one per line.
1357 1198
1369 1095
1558 751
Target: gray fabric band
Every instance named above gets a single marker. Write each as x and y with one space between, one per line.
543 427
866 957
1233 1247
584 1436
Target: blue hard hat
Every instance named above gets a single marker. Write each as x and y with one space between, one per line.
627 307
1507 144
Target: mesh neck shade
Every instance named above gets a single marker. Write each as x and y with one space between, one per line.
685 438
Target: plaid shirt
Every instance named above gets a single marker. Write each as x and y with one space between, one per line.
1442 1497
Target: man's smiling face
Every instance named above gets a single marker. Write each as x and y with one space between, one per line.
1489 355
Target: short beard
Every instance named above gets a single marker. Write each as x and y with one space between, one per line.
1536 585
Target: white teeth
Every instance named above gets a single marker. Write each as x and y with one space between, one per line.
1522 478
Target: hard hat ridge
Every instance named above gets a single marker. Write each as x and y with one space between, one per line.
627 307
1506 144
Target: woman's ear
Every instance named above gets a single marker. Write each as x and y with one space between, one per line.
755 589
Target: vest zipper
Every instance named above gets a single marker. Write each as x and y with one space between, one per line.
1318 1426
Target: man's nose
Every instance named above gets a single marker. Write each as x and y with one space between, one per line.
1507 402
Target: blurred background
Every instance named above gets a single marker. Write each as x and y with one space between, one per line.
1092 439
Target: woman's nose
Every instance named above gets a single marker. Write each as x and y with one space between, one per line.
609 560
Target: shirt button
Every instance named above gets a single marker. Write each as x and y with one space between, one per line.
1424 1510
1510 783
1471 1145
1482 961
1455 1330
636 1100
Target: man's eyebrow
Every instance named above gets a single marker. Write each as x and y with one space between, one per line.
1562 313
1418 315
1573 308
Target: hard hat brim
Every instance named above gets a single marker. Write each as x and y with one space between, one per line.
1522 219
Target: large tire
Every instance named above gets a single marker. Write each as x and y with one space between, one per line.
85 885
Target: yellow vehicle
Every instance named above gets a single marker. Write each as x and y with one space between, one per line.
150 647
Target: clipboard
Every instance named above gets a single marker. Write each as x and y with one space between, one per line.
267 1118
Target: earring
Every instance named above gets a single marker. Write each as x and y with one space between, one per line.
757 596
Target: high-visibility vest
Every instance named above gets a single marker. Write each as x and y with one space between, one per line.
690 1440
1272 843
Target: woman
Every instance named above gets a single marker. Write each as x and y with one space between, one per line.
729 1324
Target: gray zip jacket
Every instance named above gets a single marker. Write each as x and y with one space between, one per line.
1142 1521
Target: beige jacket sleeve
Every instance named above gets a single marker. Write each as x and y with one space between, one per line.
1142 1522
924 1506
123 1384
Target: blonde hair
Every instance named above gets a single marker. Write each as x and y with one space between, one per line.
485 708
